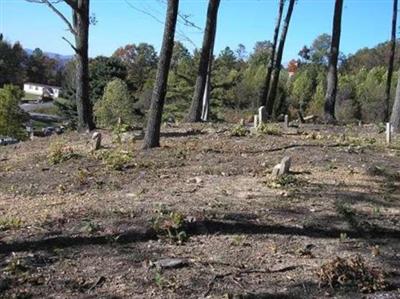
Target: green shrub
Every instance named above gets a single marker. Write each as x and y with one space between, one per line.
116 159
10 223
170 224
12 117
60 152
239 131
269 129
116 104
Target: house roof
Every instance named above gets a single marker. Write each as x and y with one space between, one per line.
42 85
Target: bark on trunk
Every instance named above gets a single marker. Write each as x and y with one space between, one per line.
209 36
395 118
83 103
391 62
206 98
267 83
152 135
207 89
277 68
331 90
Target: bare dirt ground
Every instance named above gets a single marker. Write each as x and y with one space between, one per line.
81 229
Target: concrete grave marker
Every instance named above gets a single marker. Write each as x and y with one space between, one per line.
262 115
388 133
96 141
286 121
255 121
282 168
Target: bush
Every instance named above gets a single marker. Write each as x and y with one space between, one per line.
239 131
115 104
170 224
12 117
60 152
352 272
116 159
269 129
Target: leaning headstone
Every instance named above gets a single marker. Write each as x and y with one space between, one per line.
286 121
388 133
241 122
262 115
255 121
282 168
96 141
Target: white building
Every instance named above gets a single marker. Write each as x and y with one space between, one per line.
41 90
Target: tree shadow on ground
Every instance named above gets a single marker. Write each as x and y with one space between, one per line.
204 227
178 134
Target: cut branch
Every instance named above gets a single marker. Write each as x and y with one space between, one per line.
71 44
57 12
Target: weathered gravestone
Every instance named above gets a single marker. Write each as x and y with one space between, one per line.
262 115
286 121
96 141
255 121
282 168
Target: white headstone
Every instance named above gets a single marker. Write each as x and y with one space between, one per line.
255 121
388 133
262 115
286 121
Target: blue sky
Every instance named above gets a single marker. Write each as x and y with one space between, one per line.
365 24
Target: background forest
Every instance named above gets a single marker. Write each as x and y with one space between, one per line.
126 79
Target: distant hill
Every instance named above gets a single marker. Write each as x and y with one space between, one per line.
63 59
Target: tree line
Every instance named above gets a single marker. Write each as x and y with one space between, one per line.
322 81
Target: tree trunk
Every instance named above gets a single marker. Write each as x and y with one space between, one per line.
278 63
207 94
332 78
209 36
207 89
267 83
152 136
395 118
83 103
391 61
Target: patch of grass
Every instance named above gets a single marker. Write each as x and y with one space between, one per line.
82 176
170 224
37 125
116 159
90 227
10 223
361 141
53 110
162 282
351 273
16 266
331 166
269 129
239 240
288 180
60 152
31 97
239 131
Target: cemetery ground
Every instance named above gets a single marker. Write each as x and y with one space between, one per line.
81 224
